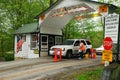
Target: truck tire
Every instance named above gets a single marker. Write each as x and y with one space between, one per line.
88 52
69 54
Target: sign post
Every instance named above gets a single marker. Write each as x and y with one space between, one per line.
107 53
112 30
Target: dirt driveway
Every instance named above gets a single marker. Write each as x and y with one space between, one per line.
42 68
70 74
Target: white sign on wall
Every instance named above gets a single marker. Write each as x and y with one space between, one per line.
111 26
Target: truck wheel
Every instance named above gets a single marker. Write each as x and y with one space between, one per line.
88 52
53 56
69 54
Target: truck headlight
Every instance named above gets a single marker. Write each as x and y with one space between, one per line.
63 49
50 48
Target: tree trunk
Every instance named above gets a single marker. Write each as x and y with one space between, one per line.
51 2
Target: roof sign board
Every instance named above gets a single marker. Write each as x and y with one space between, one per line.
111 26
82 7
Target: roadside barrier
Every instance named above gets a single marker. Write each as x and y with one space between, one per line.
55 55
93 53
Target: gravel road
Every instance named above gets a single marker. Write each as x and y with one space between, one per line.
37 69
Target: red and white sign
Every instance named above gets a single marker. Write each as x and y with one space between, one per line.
107 43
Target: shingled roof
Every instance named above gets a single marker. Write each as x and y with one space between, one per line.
27 28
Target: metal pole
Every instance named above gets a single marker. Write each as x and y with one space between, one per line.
38 28
117 54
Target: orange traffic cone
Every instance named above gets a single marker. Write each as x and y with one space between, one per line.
94 55
91 53
55 56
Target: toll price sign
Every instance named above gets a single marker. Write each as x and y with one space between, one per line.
107 55
112 26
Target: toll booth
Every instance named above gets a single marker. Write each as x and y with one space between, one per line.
28 37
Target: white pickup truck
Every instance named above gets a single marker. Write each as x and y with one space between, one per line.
70 47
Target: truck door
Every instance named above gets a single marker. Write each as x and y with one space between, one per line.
76 47
85 45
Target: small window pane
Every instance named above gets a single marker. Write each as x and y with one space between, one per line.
44 38
34 41
58 40
88 43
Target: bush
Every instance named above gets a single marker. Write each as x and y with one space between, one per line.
9 57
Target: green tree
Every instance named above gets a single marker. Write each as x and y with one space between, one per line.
91 29
15 13
23 11
114 2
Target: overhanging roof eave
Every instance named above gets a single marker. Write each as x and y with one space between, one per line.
27 28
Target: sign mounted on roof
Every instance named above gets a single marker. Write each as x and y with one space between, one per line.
111 26
81 8
103 8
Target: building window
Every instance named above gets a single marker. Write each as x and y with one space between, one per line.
58 40
24 37
34 41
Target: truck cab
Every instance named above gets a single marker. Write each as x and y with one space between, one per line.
70 47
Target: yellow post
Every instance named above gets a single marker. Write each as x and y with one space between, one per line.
86 56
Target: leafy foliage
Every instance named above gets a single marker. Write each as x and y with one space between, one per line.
87 29
15 13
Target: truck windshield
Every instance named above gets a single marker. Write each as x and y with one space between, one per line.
68 42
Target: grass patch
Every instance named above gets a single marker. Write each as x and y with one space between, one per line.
91 74
86 73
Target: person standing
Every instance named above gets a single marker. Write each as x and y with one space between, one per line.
81 50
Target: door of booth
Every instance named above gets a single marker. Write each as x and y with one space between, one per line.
44 43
